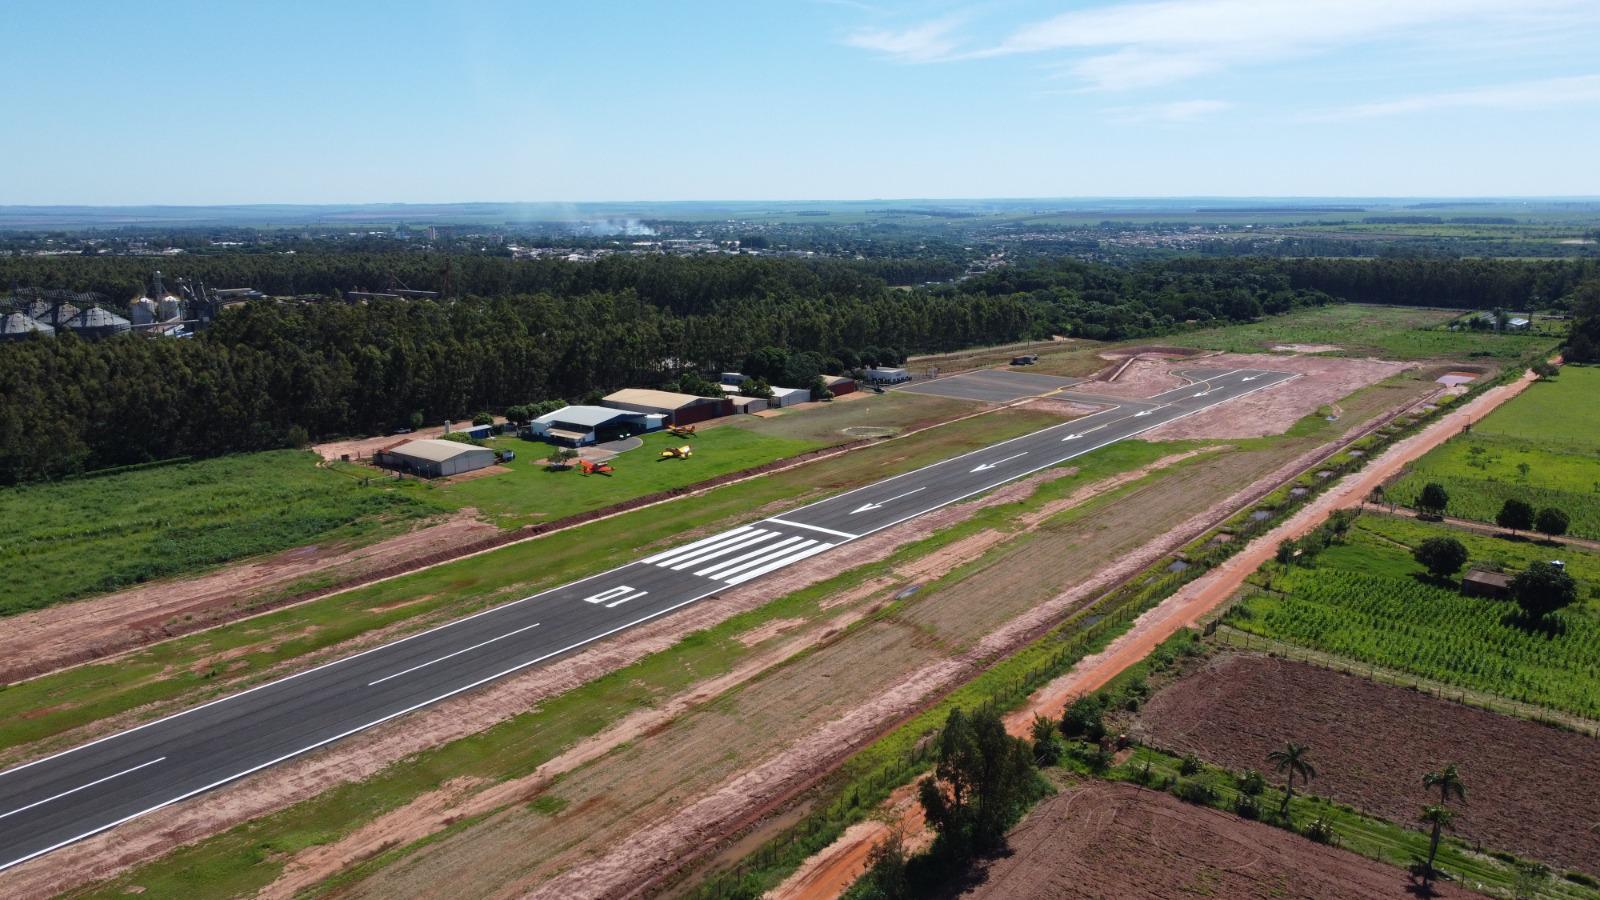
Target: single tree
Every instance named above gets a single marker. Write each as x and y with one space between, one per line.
1441 556
1439 817
1543 588
981 781
1523 469
1551 522
1449 783
1375 496
1515 515
1290 759
1544 370
1434 499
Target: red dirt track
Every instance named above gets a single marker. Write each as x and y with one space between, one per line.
1116 840
1529 786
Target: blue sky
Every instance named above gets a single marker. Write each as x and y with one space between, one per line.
306 102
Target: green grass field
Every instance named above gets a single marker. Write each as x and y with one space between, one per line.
1365 600
531 492
89 535
1393 332
1553 429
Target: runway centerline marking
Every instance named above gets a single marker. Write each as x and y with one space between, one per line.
984 467
844 534
879 504
455 654
81 787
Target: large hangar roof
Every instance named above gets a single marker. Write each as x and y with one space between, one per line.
435 450
586 416
660 399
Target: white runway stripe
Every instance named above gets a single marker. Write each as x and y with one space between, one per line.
727 567
690 548
709 553
779 563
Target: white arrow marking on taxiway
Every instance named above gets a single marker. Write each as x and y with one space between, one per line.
1250 378
871 506
987 466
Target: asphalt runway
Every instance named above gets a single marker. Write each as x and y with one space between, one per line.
66 797
991 385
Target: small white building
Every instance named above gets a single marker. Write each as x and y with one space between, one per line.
782 397
748 404
881 375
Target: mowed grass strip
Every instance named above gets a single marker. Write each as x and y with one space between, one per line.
90 535
531 492
201 666
1542 447
248 857
1393 332
1367 600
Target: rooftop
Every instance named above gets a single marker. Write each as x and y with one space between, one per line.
436 450
584 416
661 399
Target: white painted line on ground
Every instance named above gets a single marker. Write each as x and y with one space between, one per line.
455 654
780 563
984 467
359 728
844 534
697 544
81 787
680 563
633 596
724 569
879 504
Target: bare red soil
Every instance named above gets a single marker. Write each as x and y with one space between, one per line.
1529 786
1117 840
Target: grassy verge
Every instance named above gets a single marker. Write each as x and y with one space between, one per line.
251 855
94 534
1394 332
531 492
192 669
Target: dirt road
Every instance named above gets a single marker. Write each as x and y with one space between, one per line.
830 872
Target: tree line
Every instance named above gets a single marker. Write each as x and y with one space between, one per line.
273 374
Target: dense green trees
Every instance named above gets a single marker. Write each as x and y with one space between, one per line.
1441 556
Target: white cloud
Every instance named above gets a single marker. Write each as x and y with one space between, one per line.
1126 46
928 42
1547 93
1175 113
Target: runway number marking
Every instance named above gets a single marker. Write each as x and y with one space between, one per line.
615 597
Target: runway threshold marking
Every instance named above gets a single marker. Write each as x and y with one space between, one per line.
440 659
865 507
844 534
81 787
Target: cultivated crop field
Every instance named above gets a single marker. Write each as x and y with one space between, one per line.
95 534
1553 429
1371 743
1392 332
1367 600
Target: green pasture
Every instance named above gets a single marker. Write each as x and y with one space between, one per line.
1392 332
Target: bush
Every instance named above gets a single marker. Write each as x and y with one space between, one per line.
1551 522
483 418
1197 792
1247 807
1321 831
1189 765
1251 783
1580 878
1084 719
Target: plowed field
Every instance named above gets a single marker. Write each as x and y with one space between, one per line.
1529 786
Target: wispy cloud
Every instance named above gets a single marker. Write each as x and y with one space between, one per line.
928 42
1146 44
1175 113
1548 93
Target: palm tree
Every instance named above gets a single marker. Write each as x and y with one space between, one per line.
1448 781
1439 817
1291 759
